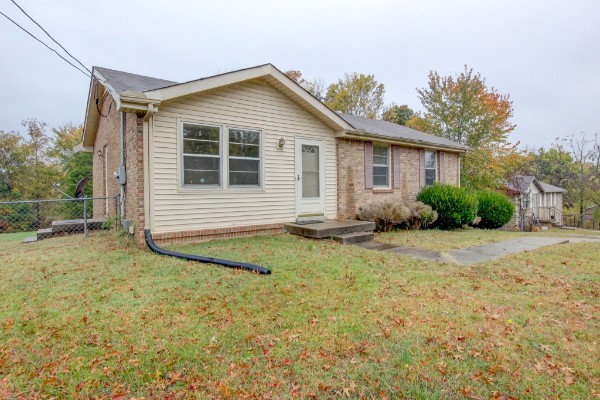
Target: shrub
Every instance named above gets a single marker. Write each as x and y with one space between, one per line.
385 214
421 216
495 209
455 206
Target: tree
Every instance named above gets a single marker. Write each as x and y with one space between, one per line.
463 109
12 161
398 114
315 87
75 166
356 94
585 153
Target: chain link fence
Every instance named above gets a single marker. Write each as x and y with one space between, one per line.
47 218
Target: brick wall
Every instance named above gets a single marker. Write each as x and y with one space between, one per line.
351 176
107 158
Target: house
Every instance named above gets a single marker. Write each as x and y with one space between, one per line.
536 200
243 153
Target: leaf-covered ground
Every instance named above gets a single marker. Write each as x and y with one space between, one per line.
98 317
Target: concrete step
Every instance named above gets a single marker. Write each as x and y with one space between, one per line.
329 228
354 237
76 225
44 233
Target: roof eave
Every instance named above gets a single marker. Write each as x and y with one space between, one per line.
360 133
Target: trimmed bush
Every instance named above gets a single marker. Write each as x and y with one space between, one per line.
386 214
455 206
495 209
421 216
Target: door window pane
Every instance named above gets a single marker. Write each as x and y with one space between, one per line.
310 171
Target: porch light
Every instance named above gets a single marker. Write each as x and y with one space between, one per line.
280 143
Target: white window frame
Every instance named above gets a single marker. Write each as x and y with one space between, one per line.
435 165
260 159
388 166
182 154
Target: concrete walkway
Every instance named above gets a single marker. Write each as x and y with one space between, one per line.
477 254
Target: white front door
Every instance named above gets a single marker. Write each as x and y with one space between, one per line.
310 179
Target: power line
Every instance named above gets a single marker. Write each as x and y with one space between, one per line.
50 36
50 48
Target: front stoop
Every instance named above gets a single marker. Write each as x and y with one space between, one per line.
346 232
355 237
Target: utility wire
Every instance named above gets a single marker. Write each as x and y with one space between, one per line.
50 36
50 48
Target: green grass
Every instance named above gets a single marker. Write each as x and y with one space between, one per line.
98 317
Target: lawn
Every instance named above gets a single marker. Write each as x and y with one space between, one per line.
98 317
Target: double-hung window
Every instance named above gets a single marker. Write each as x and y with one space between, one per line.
244 157
430 167
201 155
381 166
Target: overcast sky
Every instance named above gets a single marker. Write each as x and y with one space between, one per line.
545 54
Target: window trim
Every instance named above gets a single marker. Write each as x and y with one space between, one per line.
260 159
435 166
389 169
181 156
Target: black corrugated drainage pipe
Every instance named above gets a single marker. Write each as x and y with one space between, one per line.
208 260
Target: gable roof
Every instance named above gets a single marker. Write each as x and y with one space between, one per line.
391 130
138 93
523 182
142 94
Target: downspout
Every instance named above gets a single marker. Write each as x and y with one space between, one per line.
122 169
146 160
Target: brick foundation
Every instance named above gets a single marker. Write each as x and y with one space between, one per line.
211 234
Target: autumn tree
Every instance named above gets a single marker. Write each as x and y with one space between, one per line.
463 109
356 94
398 114
316 87
75 166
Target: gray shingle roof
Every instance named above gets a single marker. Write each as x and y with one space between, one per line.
124 81
522 182
395 131
548 188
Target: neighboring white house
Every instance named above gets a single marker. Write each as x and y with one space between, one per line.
536 200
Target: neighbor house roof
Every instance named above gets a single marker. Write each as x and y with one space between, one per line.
522 182
143 94
378 127
548 188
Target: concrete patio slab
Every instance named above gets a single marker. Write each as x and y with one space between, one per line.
495 250
477 254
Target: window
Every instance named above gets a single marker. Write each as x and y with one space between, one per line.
381 166
244 157
430 167
201 155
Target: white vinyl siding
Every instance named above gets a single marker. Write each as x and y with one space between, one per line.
381 166
253 105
